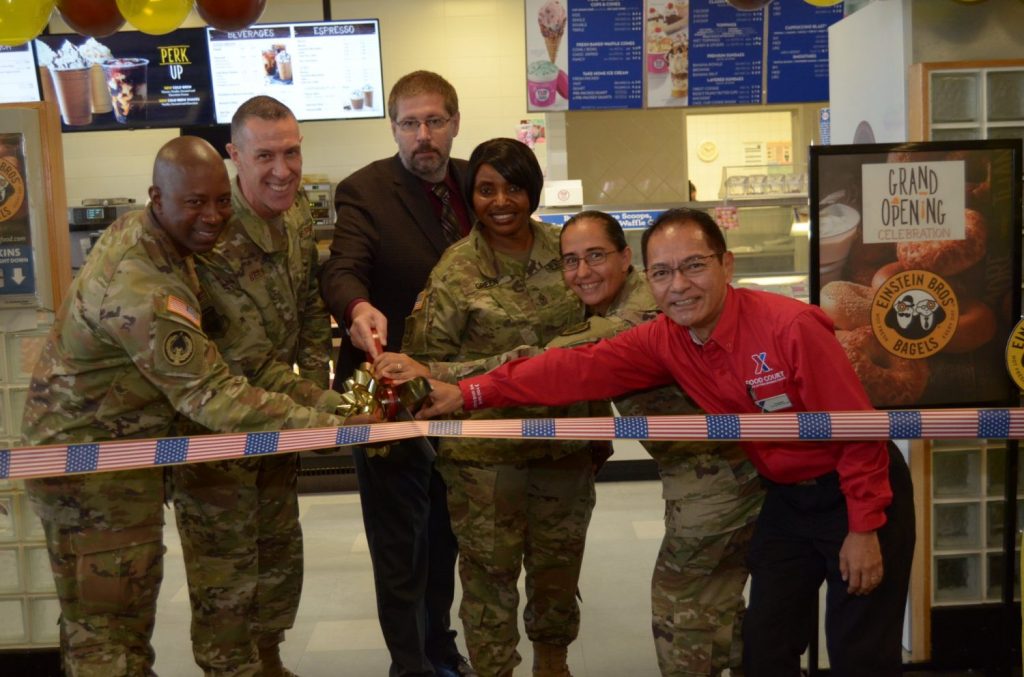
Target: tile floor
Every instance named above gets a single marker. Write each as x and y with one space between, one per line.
337 631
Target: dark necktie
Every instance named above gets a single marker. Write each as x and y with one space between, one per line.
449 220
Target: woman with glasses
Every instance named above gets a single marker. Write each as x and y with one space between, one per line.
712 492
513 504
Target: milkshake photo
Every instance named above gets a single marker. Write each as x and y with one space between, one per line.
126 83
72 81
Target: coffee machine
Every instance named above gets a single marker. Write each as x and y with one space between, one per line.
87 222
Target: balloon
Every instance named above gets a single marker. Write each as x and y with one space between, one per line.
95 18
155 17
23 20
748 5
230 15
823 3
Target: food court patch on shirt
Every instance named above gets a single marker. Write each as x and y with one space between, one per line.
182 309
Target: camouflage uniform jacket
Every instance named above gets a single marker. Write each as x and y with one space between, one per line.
126 354
261 302
714 479
478 303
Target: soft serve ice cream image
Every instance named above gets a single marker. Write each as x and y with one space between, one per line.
95 53
73 84
551 18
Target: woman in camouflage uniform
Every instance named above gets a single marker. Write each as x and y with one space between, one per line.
513 504
712 492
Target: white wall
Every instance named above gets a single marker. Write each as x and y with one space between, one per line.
478 45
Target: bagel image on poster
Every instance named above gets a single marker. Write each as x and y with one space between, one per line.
14 224
916 268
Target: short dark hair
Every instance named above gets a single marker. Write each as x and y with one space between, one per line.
262 107
681 215
612 228
513 160
422 82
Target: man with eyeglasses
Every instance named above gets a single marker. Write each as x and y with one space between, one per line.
838 512
394 219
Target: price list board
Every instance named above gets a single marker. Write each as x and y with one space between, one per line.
726 54
798 51
18 73
605 54
584 54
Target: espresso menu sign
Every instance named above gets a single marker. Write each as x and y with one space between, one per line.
18 73
916 257
128 79
322 71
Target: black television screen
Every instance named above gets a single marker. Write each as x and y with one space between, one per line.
326 70
18 73
127 80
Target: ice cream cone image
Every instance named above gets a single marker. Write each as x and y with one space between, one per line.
551 19
553 44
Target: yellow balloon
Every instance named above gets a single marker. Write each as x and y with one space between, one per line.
823 3
155 17
23 20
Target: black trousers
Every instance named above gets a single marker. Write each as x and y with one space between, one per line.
795 547
413 552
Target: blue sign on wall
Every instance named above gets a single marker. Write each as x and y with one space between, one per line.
798 51
17 273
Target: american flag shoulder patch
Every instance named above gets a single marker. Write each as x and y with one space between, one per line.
182 309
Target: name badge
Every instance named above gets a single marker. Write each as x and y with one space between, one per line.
776 403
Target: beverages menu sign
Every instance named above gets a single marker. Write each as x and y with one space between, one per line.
322 71
798 51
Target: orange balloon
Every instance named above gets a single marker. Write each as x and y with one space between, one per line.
230 15
155 17
748 5
23 20
95 18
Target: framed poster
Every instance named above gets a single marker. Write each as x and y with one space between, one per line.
916 257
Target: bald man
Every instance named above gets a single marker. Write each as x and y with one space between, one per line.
127 355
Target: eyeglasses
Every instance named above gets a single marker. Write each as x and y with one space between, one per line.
412 125
593 258
692 267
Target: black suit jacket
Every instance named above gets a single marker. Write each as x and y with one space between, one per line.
387 239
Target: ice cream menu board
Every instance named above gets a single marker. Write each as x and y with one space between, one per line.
798 51
584 54
18 73
127 79
322 71
916 258
725 54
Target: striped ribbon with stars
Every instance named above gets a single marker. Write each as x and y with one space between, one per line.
53 460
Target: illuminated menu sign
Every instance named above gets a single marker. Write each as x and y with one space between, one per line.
322 71
18 73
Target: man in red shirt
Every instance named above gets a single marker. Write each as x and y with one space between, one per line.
840 512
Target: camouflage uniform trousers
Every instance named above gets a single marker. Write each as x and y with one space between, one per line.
532 514
104 534
242 544
697 589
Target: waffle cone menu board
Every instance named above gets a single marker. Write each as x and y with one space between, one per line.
916 257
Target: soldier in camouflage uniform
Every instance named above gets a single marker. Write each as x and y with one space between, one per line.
127 357
239 519
712 492
513 504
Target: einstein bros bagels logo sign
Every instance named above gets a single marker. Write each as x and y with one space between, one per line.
1015 355
914 314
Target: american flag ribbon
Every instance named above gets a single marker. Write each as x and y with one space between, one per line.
61 459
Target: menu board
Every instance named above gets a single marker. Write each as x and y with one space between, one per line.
798 51
127 80
600 65
916 257
322 71
18 73
725 54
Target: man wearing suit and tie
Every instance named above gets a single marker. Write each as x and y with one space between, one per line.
395 217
